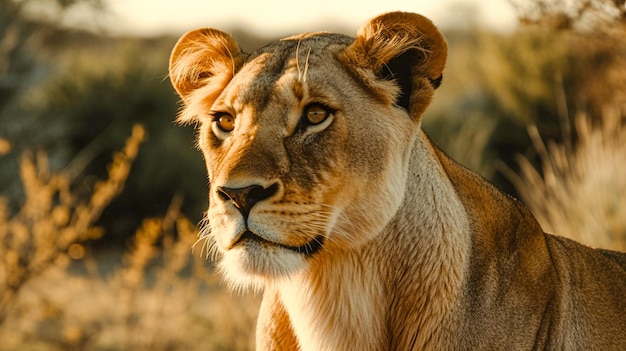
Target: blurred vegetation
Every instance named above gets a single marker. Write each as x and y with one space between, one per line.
571 15
75 95
52 222
55 296
498 84
578 192
96 253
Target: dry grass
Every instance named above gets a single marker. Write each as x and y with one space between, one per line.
53 296
579 191
52 222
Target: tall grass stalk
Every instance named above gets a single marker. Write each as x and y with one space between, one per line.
579 191
52 221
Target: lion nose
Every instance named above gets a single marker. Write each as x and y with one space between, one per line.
245 198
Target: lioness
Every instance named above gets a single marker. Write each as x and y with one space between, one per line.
325 193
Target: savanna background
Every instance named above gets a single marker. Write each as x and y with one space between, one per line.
101 193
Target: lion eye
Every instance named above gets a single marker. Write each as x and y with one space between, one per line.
224 121
316 114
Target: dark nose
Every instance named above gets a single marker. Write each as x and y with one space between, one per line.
245 198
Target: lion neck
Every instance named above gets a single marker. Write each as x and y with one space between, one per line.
433 237
353 299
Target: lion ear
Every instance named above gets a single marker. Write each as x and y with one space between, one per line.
406 48
204 58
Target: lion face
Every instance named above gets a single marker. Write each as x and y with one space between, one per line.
306 151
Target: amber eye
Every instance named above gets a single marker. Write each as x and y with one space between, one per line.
316 114
224 121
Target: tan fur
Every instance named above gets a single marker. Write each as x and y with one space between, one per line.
417 253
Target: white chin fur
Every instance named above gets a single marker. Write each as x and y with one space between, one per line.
250 267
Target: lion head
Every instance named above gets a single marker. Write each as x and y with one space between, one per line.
307 139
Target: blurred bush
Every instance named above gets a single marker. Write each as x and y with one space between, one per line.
52 221
100 98
75 94
498 84
578 192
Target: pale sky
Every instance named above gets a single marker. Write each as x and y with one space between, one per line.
286 17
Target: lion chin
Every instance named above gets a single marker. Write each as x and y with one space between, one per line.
253 260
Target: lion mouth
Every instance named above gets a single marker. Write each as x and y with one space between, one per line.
308 249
